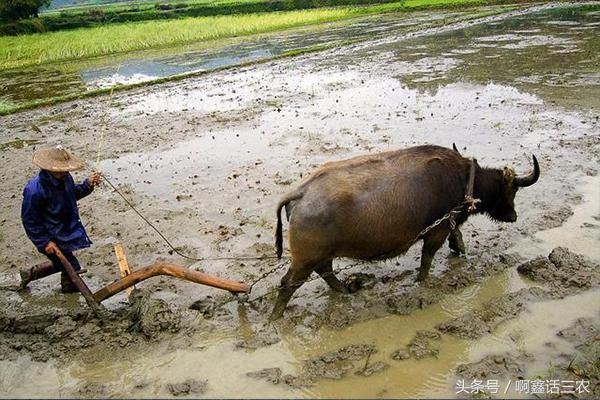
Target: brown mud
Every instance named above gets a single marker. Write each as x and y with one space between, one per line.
562 273
207 159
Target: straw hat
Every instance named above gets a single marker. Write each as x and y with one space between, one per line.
57 159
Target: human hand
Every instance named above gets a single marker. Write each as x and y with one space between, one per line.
51 248
95 179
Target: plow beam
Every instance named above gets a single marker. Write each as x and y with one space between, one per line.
163 268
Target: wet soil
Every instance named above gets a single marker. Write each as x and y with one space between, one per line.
562 273
570 368
206 161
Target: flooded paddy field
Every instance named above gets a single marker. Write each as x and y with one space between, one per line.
58 80
207 159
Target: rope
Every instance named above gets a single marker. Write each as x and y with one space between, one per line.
103 125
164 238
471 201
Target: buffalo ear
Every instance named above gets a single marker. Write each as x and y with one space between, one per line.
508 174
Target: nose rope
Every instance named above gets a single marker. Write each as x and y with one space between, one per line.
471 201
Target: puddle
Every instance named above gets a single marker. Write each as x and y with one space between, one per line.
501 51
580 233
53 80
146 372
534 335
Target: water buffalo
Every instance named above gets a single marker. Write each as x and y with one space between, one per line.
374 206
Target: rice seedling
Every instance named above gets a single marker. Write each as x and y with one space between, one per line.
27 50
6 105
32 49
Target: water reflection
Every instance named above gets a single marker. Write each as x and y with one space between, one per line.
69 78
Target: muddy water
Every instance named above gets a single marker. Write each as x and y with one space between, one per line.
581 232
55 80
209 158
143 372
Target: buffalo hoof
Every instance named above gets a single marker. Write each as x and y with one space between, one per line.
457 249
456 244
422 277
275 315
358 281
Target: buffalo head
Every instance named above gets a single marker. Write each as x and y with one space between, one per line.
498 198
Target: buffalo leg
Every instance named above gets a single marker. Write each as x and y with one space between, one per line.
325 270
455 241
291 281
431 244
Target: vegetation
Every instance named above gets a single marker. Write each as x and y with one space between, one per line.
6 105
27 50
119 13
73 49
13 10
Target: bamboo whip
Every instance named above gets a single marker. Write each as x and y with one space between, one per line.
163 268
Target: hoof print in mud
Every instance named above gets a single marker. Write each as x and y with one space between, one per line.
493 366
419 347
187 387
206 307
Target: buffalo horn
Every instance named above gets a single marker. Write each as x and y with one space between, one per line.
528 180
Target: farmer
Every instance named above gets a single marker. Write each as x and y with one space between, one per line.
50 215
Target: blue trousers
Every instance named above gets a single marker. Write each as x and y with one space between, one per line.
69 256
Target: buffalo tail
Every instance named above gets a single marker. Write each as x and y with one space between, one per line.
279 229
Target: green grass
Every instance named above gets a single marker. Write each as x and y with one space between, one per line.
48 101
27 50
6 105
139 5
145 11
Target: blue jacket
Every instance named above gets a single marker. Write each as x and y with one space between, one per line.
49 212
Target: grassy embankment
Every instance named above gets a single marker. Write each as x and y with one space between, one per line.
86 43
27 50
89 16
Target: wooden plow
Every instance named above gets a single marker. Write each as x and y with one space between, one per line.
129 279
